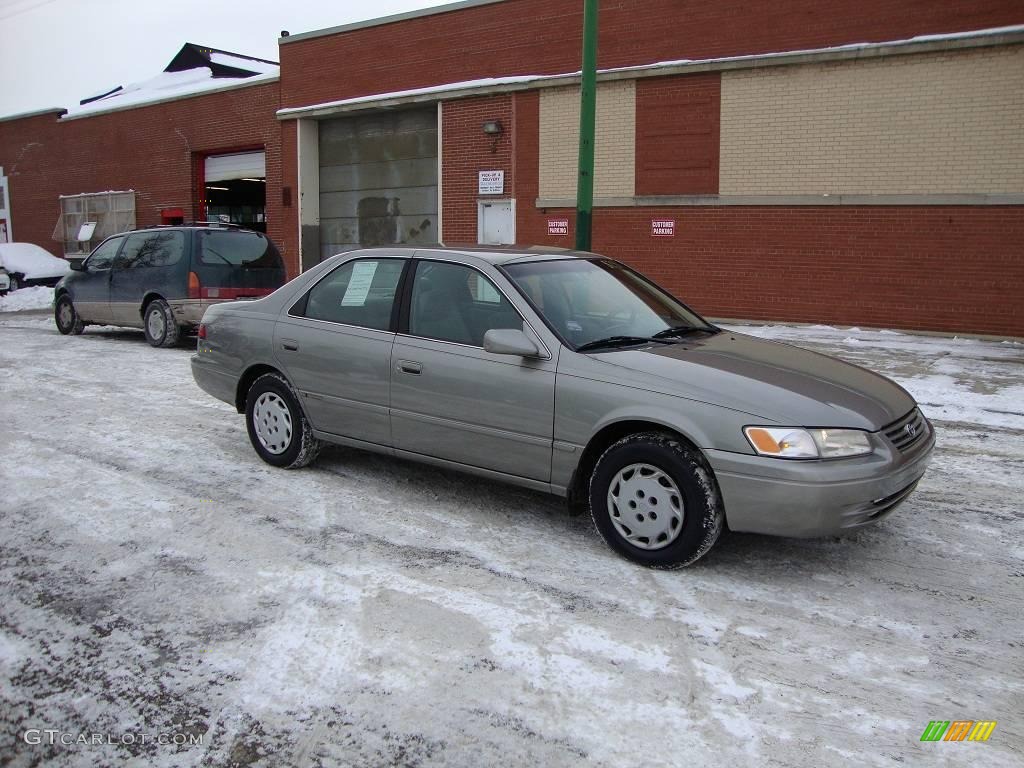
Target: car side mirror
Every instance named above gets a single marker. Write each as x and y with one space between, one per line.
78 265
509 341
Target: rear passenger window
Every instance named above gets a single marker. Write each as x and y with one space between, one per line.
359 293
151 249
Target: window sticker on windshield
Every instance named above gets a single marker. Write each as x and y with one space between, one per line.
359 284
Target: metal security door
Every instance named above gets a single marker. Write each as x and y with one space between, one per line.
378 180
496 222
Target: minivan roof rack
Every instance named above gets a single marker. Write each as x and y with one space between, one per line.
212 224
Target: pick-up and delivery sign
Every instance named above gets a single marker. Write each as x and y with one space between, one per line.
491 183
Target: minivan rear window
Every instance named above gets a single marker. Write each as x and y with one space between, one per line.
250 250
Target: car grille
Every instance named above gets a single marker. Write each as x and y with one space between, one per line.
908 432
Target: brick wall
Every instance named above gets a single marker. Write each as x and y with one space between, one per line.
677 134
542 37
155 150
930 123
614 139
956 269
465 151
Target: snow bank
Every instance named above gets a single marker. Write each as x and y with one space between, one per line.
31 261
36 297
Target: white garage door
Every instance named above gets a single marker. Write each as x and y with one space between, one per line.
241 165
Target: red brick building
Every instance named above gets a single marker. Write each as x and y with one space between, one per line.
829 162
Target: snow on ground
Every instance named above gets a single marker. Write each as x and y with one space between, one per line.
155 576
35 297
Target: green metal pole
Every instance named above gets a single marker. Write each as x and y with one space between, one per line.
588 101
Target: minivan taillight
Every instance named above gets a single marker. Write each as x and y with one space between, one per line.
202 330
193 286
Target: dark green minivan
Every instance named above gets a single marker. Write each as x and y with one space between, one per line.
162 279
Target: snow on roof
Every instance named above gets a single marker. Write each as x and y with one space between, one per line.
494 82
484 82
195 69
244 62
170 85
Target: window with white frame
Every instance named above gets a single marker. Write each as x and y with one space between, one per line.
93 217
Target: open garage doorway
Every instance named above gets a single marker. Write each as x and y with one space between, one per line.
235 189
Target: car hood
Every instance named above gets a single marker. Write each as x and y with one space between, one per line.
775 381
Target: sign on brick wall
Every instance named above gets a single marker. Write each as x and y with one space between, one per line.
491 183
558 226
663 227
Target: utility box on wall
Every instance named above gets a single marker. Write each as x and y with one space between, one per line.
5 210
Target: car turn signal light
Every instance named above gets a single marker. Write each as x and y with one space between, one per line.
800 443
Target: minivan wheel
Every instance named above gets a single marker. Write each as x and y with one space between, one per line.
655 501
158 322
66 317
278 429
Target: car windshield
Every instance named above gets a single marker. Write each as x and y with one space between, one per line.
589 301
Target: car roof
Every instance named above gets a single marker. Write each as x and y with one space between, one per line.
199 225
493 254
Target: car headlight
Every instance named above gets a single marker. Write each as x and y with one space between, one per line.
799 443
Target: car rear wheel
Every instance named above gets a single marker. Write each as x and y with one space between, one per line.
655 501
158 322
66 317
278 429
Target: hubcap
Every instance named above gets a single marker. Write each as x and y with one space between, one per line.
64 314
155 323
645 506
273 422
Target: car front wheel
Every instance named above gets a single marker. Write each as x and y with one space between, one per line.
158 322
655 501
66 317
278 429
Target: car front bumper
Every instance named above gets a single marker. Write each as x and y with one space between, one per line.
816 498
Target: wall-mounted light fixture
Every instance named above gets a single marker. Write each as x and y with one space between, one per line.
494 129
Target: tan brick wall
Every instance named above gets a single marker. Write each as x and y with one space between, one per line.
930 123
614 141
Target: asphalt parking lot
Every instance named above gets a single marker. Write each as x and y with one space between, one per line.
156 578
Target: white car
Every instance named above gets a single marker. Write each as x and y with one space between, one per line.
5 281
27 264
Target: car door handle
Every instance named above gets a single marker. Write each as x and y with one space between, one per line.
290 345
408 366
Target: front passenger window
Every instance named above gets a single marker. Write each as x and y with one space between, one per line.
103 256
359 293
454 303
